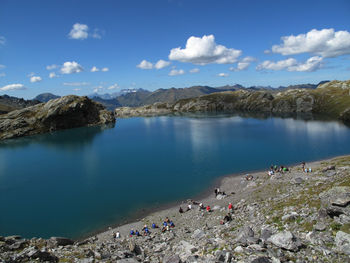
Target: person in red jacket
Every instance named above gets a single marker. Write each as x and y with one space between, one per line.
230 207
208 209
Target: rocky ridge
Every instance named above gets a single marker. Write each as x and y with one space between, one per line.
62 113
331 98
287 217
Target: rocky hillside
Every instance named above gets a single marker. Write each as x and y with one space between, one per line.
63 113
290 216
332 98
8 103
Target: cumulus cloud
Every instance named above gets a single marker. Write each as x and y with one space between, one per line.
144 64
2 41
175 72
114 86
194 70
71 67
312 64
243 64
94 69
97 34
34 79
12 87
52 75
223 75
204 51
161 64
2 74
325 43
291 64
51 67
76 84
79 31
2 66
105 69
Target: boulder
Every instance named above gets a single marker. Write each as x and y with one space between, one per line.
285 240
342 241
172 259
261 260
60 241
198 234
336 201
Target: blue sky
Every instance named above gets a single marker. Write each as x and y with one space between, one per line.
195 42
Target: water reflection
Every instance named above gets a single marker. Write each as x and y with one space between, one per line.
72 139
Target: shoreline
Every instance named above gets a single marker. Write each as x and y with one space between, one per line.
206 196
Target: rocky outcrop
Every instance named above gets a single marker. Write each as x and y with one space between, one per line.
331 98
63 113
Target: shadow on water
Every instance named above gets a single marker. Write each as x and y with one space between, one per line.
70 139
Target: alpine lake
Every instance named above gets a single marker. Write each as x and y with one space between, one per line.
74 182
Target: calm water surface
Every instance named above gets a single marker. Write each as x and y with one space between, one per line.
73 182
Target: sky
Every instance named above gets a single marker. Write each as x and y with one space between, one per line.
86 46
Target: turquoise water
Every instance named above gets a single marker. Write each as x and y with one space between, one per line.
70 183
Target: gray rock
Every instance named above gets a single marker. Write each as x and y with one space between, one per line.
261 260
319 226
172 259
291 216
342 241
246 236
198 234
220 196
336 201
298 180
60 241
127 260
285 240
265 234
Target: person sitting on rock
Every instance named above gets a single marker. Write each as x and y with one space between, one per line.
146 231
164 228
117 235
216 192
137 233
132 232
167 220
165 224
227 218
171 224
230 207
201 206
154 225
208 208
181 210
189 207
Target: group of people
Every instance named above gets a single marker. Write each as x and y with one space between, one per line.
167 224
218 192
275 169
200 207
305 169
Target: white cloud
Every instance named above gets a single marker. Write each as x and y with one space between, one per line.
34 79
2 41
71 67
194 70
105 69
2 74
97 34
79 31
144 64
279 65
291 64
94 69
2 66
223 75
77 89
267 51
114 86
325 42
12 87
243 64
203 51
52 75
161 64
175 72
98 89
76 84
312 64
51 67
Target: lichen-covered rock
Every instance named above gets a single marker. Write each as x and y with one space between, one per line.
342 241
63 113
285 240
336 200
